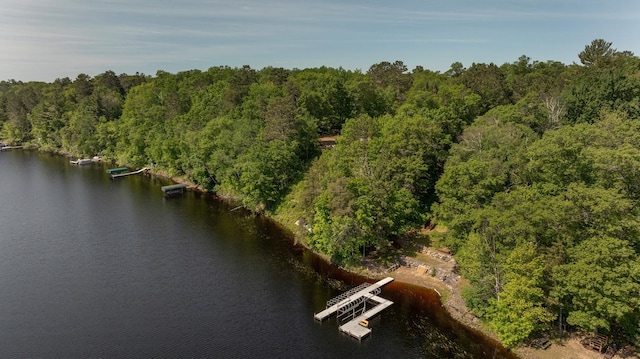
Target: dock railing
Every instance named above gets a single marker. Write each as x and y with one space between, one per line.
353 305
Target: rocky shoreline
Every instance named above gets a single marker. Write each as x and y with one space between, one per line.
439 273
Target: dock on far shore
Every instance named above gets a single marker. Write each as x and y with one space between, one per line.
119 174
4 147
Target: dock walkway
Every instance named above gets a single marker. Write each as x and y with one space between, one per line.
118 175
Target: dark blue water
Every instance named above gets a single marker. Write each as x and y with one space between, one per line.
97 268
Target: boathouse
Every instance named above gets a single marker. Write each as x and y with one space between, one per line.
174 189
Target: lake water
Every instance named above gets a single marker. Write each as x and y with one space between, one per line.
97 268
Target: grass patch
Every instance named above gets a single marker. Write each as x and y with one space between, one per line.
428 260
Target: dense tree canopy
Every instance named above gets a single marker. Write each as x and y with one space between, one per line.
533 167
568 190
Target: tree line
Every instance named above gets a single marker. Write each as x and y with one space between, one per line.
532 167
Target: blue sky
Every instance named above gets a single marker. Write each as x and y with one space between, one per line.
47 39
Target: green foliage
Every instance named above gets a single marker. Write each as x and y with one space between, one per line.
519 312
532 166
377 183
267 173
564 200
488 159
391 77
596 53
601 282
78 136
613 85
488 82
519 308
19 100
324 96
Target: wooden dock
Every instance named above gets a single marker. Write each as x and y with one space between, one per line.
354 302
118 175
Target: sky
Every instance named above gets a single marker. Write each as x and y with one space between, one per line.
41 40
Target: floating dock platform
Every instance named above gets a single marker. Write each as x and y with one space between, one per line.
355 327
353 306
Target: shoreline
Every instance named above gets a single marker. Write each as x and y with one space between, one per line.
412 274
407 275
418 274
451 300
450 297
450 294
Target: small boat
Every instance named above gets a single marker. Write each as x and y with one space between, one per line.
82 161
364 323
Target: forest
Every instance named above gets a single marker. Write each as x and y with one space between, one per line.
532 167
